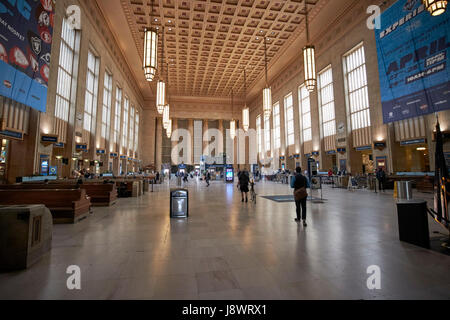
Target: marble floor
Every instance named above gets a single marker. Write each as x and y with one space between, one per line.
231 250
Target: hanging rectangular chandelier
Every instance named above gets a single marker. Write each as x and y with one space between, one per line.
267 102
310 67
267 91
169 129
435 7
166 115
246 118
233 129
309 58
160 96
150 53
246 110
232 122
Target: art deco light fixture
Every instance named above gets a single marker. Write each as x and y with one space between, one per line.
160 96
150 50
245 111
232 122
267 91
161 85
435 7
309 59
245 119
166 110
166 116
169 129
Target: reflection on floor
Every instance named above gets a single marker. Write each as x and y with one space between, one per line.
233 250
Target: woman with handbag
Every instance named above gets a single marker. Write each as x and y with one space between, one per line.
301 196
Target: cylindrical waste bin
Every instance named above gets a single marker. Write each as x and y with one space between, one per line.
413 222
404 190
179 203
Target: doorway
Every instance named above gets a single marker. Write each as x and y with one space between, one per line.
418 158
3 160
368 166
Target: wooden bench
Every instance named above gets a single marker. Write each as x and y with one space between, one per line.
127 188
131 187
36 186
426 185
66 205
422 184
101 194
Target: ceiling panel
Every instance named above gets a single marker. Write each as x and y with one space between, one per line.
208 43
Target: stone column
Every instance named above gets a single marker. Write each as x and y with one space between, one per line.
159 132
205 130
191 132
220 142
175 161
148 138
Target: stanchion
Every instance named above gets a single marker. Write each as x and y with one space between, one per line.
153 182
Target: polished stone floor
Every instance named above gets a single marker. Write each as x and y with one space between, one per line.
231 250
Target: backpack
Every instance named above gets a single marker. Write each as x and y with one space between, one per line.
293 178
244 179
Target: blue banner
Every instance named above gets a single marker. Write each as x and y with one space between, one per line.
413 50
26 30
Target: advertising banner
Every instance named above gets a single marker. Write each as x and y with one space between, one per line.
26 30
413 57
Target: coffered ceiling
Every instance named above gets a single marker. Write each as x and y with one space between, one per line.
208 43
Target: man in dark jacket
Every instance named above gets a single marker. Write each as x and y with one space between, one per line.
381 177
207 178
300 182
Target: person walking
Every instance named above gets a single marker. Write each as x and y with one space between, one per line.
244 180
301 195
381 177
207 178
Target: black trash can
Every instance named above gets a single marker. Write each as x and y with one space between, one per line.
413 222
179 203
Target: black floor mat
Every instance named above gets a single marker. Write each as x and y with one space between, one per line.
290 198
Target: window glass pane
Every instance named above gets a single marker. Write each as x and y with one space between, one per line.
106 110
289 119
305 113
90 105
118 112
326 102
258 133
356 88
65 68
277 126
125 122
267 134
